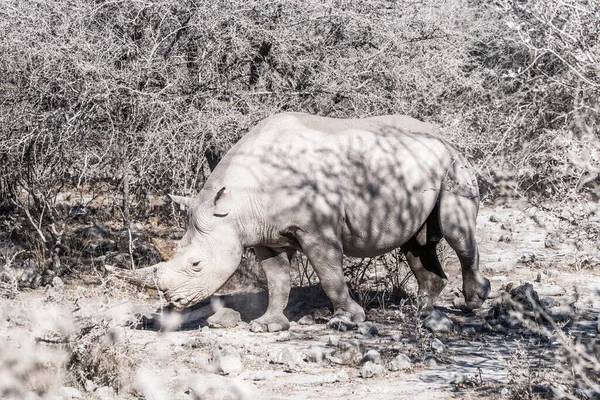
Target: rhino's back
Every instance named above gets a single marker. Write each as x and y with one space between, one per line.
379 177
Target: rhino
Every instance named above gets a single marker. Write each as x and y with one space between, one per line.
327 187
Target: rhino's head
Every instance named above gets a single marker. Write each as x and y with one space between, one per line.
208 254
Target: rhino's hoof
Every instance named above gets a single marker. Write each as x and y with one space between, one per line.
257 327
269 325
475 297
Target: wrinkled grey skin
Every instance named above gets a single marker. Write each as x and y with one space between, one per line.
327 187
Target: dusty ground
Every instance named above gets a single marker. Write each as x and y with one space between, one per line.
96 334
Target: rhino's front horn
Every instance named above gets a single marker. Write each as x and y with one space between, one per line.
143 277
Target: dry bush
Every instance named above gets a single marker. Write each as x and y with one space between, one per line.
144 96
565 363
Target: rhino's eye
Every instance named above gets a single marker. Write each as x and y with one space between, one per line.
195 264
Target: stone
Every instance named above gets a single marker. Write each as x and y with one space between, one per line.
58 283
370 369
306 320
341 323
93 232
550 290
286 355
485 327
528 258
400 363
437 346
549 302
367 328
315 354
561 313
332 340
371 356
224 318
469 331
494 218
227 361
67 392
322 315
525 295
437 322
430 361
105 392
348 352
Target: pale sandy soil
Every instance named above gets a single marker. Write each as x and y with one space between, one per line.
555 248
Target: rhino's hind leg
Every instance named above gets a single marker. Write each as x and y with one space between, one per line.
276 265
325 255
458 215
425 266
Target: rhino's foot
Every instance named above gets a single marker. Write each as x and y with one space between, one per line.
476 291
352 312
270 323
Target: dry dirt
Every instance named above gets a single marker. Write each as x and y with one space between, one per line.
88 335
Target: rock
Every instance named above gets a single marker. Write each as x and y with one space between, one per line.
332 340
224 318
437 346
105 392
550 290
341 323
526 296
315 354
100 248
287 356
430 361
348 352
400 363
549 302
227 361
505 239
371 356
370 369
306 320
561 313
352 345
485 327
341 376
469 330
528 258
93 232
543 388
494 218
322 315
437 322
367 328
58 283
505 392
511 322
67 392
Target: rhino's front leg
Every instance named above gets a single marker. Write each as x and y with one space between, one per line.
325 255
276 265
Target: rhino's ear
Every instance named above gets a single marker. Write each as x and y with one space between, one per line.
184 202
222 202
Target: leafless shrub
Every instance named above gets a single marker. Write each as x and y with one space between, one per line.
573 368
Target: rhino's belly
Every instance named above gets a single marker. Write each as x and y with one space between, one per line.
375 228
